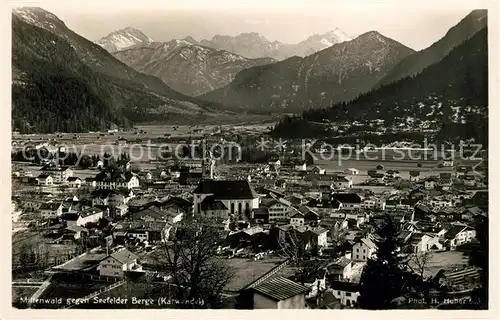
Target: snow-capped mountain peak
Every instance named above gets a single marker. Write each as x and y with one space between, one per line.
123 39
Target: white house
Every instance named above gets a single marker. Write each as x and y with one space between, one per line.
363 250
59 173
301 167
90 215
340 269
105 180
278 209
426 242
74 182
351 171
236 195
341 182
45 180
117 263
458 235
51 210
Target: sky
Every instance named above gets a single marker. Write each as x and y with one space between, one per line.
416 24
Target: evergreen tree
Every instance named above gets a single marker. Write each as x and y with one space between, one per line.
382 279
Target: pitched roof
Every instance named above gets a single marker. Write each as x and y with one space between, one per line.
90 211
123 256
368 243
210 203
50 206
226 189
280 288
347 197
453 231
344 286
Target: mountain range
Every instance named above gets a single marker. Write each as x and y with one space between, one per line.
338 73
186 66
453 92
250 45
62 81
124 39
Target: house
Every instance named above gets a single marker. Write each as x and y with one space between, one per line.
310 236
349 201
458 235
59 173
297 219
253 236
318 170
91 215
301 167
351 171
112 198
51 210
140 230
445 180
119 210
77 231
260 215
116 179
339 270
363 249
237 195
45 180
100 164
341 182
425 242
74 182
277 292
311 217
421 212
346 292
430 183
90 181
117 263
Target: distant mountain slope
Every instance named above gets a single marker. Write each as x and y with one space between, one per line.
338 73
254 45
452 92
187 67
63 82
123 39
416 62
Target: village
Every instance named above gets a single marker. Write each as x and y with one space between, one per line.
296 233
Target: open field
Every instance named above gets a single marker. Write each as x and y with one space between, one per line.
447 260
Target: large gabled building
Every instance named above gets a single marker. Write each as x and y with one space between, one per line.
236 195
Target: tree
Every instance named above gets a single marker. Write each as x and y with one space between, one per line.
480 258
198 274
382 279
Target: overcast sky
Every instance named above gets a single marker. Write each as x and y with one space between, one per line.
416 24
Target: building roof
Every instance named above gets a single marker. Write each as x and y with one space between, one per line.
347 197
453 231
123 256
341 262
369 243
280 288
50 206
73 179
210 203
226 189
90 211
344 286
